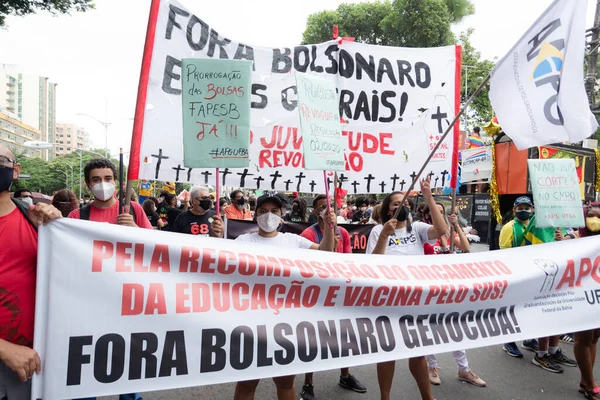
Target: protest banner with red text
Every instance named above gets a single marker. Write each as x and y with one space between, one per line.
395 104
120 310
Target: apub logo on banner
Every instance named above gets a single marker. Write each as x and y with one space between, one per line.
537 89
395 104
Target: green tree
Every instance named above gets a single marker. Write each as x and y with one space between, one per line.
25 7
480 111
410 23
459 9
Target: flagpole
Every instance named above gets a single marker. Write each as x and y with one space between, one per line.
437 146
453 206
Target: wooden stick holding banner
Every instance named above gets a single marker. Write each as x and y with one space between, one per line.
442 138
218 193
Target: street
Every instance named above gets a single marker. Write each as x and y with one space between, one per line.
507 379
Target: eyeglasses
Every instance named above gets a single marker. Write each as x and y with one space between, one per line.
203 198
5 161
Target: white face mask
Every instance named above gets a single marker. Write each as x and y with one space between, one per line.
268 222
103 191
353 208
363 209
323 213
27 200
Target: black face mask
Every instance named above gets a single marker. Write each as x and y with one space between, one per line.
205 204
524 215
402 215
6 178
241 201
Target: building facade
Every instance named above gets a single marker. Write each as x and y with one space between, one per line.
14 133
70 137
30 99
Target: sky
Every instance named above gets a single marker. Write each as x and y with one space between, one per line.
95 57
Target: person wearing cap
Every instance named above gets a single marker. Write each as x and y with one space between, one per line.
269 212
548 355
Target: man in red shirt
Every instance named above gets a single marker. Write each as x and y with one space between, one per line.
18 267
100 177
314 233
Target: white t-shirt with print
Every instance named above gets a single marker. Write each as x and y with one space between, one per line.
401 242
288 240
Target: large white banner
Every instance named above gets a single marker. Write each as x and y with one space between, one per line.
121 309
476 164
395 104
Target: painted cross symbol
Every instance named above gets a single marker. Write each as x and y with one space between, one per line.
383 185
287 184
439 116
243 176
369 178
189 175
160 158
275 176
312 186
258 180
394 179
402 185
355 184
299 176
206 175
444 173
341 179
225 172
178 169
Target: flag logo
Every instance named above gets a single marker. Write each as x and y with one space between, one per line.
549 62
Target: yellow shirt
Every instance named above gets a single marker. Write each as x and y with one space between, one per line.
169 187
507 235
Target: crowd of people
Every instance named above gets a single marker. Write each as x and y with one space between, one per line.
400 228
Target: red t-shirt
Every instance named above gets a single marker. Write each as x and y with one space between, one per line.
110 214
437 247
344 246
18 266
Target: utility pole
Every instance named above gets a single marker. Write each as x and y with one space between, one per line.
592 61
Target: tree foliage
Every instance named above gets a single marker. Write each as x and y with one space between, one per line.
26 7
407 23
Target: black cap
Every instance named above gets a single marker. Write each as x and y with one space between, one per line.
267 197
523 200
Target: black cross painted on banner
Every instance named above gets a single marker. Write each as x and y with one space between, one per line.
225 172
178 169
189 175
413 176
243 176
439 116
312 186
287 184
369 178
299 176
402 185
275 176
341 179
258 180
160 158
430 175
444 173
437 179
383 185
206 175
355 184
329 183
394 179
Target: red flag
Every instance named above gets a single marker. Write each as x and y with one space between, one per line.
340 194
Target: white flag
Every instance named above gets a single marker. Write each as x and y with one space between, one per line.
537 89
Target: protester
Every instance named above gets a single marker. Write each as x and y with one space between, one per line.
344 211
168 209
462 245
18 267
24 195
99 175
145 189
586 342
65 201
149 207
169 187
197 220
375 218
268 216
238 209
401 237
521 231
299 211
252 203
224 203
86 199
361 216
314 233
474 140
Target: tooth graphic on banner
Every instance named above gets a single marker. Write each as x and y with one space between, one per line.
379 90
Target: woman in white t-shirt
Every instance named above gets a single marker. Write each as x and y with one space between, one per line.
402 237
268 217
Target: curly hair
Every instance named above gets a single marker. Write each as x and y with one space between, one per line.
98 163
583 232
65 201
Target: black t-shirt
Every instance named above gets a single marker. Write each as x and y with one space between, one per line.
153 219
172 214
193 224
